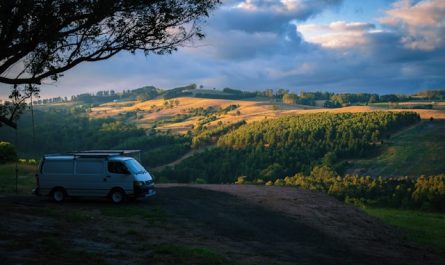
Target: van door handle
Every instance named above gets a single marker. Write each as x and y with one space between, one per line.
108 176
105 180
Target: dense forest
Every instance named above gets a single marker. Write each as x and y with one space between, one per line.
272 149
62 130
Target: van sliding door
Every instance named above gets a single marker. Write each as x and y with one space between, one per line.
90 174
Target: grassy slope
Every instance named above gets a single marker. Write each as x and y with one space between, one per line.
154 110
419 150
26 181
422 227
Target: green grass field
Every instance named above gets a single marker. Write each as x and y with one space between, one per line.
26 181
424 228
419 150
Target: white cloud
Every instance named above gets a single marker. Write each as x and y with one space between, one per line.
422 23
282 6
296 7
337 35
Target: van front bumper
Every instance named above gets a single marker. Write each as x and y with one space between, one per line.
150 193
144 191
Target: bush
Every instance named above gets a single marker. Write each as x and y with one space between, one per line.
7 152
200 181
241 180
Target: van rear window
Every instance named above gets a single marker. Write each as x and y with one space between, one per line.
90 166
58 167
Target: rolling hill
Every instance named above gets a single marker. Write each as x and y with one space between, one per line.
147 113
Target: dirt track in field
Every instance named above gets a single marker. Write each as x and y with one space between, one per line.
245 224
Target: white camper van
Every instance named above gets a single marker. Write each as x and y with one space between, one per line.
95 173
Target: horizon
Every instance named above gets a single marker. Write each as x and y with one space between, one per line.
221 89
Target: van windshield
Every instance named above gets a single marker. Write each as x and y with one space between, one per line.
135 167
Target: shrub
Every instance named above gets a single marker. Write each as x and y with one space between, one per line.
241 180
7 152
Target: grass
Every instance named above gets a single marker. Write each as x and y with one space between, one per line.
420 150
175 254
150 214
72 216
424 228
26 180
48 249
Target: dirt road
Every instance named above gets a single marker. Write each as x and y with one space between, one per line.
202 224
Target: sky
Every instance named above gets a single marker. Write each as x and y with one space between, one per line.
377 46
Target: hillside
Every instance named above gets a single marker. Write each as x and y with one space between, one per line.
147 113
418 150
196 224
177 116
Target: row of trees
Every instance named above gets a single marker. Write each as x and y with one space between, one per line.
276 148
333 100
329 99
424 192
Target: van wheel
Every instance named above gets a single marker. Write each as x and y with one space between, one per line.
117 196
58 195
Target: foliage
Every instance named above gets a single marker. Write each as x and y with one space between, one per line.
227 93
179 91
438 94
50 37
272 149
211 136
426 193
241 180
44 39
415 151
25 182
60 130
140 94
7 152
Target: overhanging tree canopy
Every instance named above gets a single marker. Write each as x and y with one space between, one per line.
41 39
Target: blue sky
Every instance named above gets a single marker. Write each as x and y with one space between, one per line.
379 46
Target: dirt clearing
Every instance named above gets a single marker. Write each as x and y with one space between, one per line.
201 224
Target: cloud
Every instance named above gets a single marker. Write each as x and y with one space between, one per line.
299 8
267 15
270 44
337 34
422 23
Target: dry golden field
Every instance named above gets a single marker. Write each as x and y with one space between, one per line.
151 111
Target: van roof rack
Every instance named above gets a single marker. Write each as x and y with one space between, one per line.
108 152
99 153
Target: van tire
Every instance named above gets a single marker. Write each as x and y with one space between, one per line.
117 195
58 195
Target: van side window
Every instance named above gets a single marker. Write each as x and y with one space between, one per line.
58 167
90 167
117 167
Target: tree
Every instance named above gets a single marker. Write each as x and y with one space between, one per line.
41 39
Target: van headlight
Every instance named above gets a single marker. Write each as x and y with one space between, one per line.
138 183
